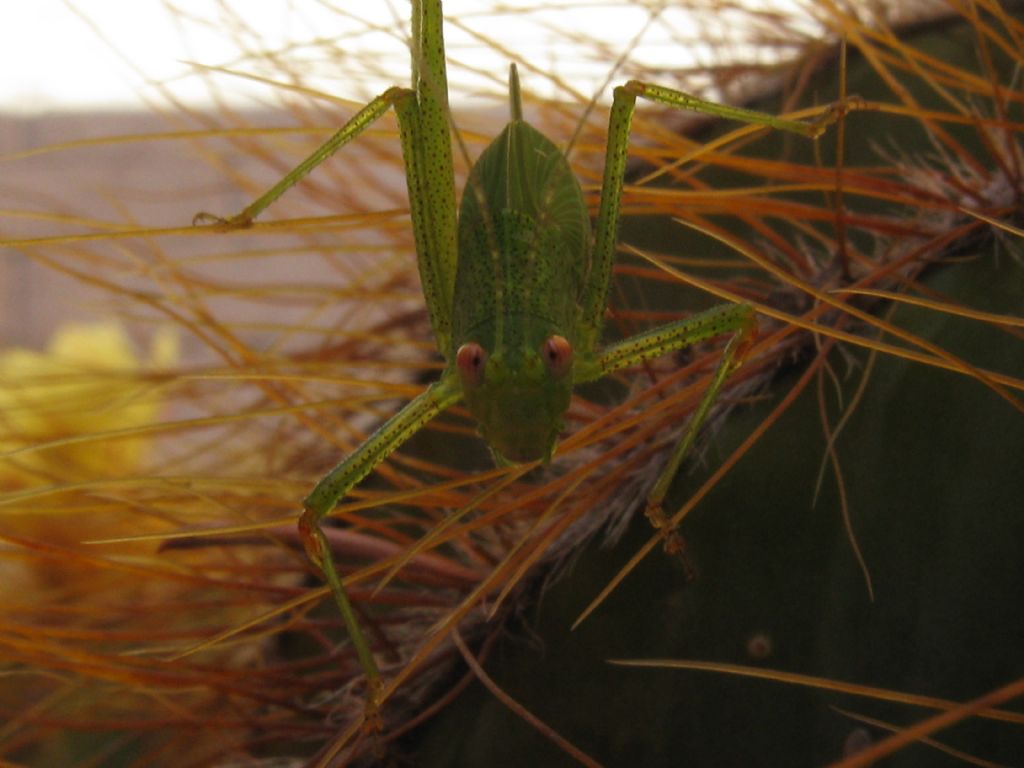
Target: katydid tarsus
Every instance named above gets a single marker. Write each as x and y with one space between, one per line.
516 286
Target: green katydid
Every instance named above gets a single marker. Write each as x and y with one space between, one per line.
516 286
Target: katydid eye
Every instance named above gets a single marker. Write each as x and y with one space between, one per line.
557 353
470 361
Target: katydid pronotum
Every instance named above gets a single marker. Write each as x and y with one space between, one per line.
516 286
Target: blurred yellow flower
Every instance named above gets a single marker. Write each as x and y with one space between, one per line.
88 382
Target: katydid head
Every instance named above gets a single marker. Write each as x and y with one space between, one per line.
518 396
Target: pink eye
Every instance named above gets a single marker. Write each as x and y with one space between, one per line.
557 352
470 361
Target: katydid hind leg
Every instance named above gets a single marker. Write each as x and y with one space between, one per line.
737 319
425 125
358 123
594 298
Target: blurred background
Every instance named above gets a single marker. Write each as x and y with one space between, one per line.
853 514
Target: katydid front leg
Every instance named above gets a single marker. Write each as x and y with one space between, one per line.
737 319
338 482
